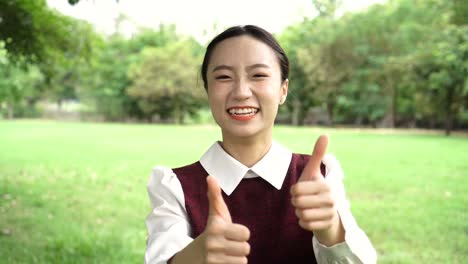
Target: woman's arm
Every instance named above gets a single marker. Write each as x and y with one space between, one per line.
356 247
323 209
167 225
169 229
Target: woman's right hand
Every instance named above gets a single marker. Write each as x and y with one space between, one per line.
222 241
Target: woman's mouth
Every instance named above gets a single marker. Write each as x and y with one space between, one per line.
242 113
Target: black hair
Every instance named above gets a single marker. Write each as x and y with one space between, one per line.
255 32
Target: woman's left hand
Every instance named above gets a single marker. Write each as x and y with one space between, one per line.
314 202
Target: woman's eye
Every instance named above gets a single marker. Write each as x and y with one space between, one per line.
222 77
260 75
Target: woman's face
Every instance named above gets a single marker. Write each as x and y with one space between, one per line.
245 87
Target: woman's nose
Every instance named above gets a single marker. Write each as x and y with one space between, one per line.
242 90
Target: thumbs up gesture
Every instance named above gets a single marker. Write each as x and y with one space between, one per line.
313 200
224 241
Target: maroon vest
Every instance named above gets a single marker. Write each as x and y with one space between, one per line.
276 236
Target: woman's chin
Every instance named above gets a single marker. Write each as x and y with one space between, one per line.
242 132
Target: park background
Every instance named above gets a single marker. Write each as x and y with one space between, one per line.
85 114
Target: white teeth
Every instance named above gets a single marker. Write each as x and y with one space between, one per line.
243 111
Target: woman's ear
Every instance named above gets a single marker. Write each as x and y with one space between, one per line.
282 100
284 91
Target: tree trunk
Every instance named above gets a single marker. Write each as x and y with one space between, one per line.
394 105
303 115
296 113
10 111
432 122
449 111
448 123
330 106
390 88
177 112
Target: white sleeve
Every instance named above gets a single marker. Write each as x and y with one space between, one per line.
167 224
357 247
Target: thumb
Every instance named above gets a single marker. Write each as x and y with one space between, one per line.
216 201
312 169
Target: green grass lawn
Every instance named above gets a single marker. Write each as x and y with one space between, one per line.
76 192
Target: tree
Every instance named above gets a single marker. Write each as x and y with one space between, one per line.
386 39
108 79
18 82
32 30
300 95
445 67
301 43
165 81
327 8
329 63
105 81
64 69
57 45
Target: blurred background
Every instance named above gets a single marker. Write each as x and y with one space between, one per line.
94 93
360 63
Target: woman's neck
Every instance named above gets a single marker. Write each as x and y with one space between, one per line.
247 151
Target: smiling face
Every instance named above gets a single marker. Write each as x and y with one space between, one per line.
244 87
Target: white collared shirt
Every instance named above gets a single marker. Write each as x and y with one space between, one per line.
168 224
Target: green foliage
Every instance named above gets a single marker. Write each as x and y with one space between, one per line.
167 97
64 69
460 16
444 70
300 99
33 30
327 8
401 63
105 80
392 65
46 51
18 85
329 62
118 63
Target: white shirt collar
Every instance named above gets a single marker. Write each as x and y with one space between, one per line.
229 171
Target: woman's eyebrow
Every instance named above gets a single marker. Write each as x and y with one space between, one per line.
222 67
250 67
257 65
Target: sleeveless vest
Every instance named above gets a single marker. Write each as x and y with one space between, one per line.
275 235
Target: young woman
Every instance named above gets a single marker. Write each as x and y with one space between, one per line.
249 199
